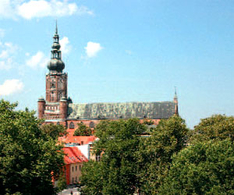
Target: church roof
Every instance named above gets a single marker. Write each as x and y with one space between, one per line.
153 110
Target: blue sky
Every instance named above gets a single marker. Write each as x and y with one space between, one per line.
123 51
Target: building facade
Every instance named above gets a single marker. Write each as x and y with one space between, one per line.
58 108
74 160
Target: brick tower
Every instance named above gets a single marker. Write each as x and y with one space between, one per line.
54 107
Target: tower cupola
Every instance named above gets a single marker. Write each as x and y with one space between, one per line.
56 64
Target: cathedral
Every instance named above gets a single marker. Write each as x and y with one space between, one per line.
58 108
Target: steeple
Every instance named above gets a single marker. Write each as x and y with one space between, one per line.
56 29
56 64
175 97
176 103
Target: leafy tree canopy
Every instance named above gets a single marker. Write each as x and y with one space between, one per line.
82 130
217 127
53 131
61 182
115 173
155 153
29 158
203 168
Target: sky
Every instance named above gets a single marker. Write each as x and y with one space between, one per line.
122 51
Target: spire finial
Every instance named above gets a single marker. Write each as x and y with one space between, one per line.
175 96
176 103
56 29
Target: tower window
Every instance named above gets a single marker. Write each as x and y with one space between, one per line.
52 84
71 126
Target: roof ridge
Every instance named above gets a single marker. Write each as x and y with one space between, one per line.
120 102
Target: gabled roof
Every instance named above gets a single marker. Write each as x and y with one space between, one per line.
153 110
73 155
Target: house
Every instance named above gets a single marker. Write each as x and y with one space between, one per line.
74 160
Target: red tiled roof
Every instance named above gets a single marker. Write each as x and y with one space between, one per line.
73 155
77 139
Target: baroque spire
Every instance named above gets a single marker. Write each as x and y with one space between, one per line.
56 64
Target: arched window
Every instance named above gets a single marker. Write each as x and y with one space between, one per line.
91 125
71 126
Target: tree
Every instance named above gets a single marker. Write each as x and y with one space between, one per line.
82 130
203 168
29 158
115 173
92 178
217 127
154 156
53 131
61 182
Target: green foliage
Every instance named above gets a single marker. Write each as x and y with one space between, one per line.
61 182
203 168
92 178
154 156
116 172
82 130
53 131
217 127
162 163
28 157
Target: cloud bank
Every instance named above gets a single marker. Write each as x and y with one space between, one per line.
40 8
10 87
37 60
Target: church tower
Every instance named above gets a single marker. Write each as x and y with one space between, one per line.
54 107
56 80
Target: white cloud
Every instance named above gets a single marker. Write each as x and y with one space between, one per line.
92 49
32 9
11 86
6 8
38 60
29 9
65 46
7 52
55 8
